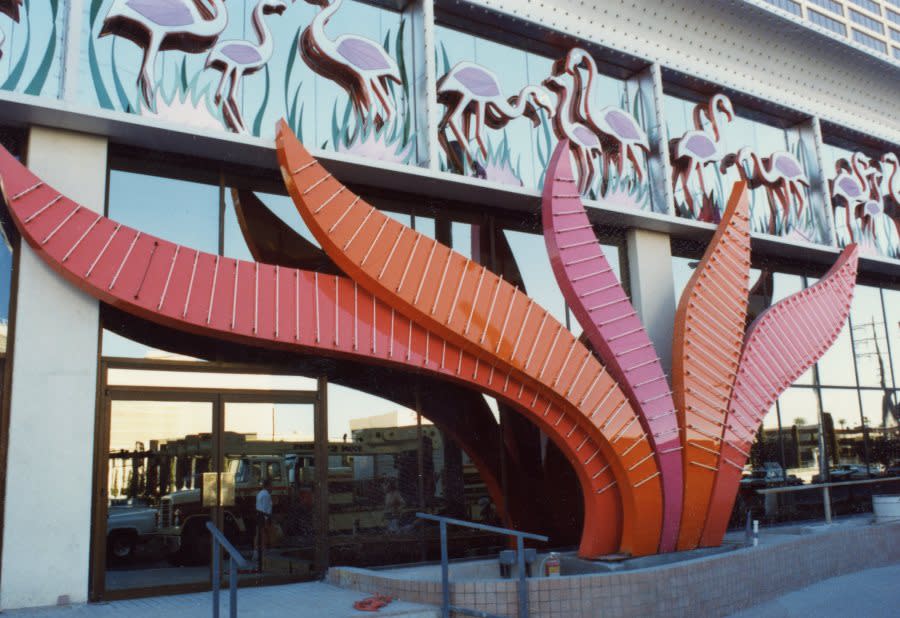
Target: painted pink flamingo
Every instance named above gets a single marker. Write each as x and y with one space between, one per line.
620 134
10 8
584 144
850 186
780 173
470 93
696 149
191 26
892 189
237 58
360 66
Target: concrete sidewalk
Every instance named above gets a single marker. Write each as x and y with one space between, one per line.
306 600
873 593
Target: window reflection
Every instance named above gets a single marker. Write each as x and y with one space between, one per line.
158 452
869 338
179 211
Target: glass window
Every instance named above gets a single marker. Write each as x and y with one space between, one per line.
461 235
179 211
831 5
158 452
895 35
530 254
788 5
892 16
826 22
843 426
892 326
799 413
869 41
870 338
865 20
836 365
280 205
869 5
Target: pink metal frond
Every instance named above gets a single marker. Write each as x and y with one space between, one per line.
779 347
610 323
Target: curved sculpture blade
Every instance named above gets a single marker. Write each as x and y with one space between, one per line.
272 241
282 308
780 346
708 333
612 326
474 309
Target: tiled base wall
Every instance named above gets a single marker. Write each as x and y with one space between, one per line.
714 586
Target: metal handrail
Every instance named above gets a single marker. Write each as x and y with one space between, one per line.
781 490
237 560
522 586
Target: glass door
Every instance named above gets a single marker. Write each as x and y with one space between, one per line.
269 451
152 503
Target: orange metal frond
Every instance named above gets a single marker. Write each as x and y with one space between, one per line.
708 332
472 308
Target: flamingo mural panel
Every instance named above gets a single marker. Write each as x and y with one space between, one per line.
249 69
864 195
31 40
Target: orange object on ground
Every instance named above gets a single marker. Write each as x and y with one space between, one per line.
373 603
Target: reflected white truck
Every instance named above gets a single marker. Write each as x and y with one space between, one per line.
128 525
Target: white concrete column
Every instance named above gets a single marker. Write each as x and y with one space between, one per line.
652 288
47 519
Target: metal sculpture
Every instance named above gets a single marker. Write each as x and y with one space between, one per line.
620 134
285 308
700 147
571 394
708 332
409 302
360 66
778 348
613 328
780 173
850 187
473 99
10 8
583 143
237 58
191 26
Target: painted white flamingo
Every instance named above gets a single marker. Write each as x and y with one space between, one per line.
191 26
237 58
584 144
360 66
473 99
850 186
780 173
696 149
620 134
10 8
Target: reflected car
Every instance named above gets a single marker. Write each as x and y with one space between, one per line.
128 524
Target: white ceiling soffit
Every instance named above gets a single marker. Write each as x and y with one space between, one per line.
740 45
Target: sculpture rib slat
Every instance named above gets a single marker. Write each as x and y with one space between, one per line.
709 325
786 339
612 326
467 304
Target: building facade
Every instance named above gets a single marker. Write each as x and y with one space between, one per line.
162 115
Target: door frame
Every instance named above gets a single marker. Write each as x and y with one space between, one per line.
217 398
